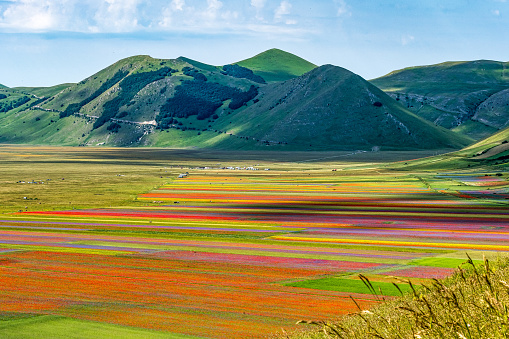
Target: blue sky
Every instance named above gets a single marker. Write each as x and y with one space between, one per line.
47 42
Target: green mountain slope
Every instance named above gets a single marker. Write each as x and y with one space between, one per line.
468 97
276 65
495 147
142 101
3 86
43 91
117 106
332 108
13 100
198 64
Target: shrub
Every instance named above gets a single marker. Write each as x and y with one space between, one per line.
113 127
195 98
242 98
242 72
194 73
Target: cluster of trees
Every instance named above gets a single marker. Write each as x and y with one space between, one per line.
191 72
129 87
75 108
2 96
194 98
237 71
7 106
241 98
113 127
202 99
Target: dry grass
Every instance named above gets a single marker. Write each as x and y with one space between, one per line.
473 303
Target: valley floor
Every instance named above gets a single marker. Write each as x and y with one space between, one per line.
226 245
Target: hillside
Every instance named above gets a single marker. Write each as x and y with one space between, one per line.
182 103
468 97
3 86
43 91
493 149
276 65
332 108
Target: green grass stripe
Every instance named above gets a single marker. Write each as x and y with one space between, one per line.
55 327
441 262
350 286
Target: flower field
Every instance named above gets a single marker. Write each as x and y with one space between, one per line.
240 254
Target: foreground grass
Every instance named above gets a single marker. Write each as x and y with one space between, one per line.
473 303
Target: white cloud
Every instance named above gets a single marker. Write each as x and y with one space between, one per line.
31 15
281 32
496 12
213 6
259 6
178 5
210 18
167 13
128 16
283 9
343 8
116 16
407 39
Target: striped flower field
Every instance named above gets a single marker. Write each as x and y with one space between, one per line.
232 254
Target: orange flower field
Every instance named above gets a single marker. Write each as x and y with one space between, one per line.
235 255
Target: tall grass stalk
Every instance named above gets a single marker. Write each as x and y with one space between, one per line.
471 304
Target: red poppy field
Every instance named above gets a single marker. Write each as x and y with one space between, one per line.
242 254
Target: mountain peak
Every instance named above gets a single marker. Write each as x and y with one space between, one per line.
277 65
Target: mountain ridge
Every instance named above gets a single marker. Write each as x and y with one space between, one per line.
276 65
469 97
144 101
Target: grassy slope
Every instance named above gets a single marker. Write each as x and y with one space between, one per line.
277 65
450 94
332 108
77 130
307 112
445 76
199 65
493 148
72 130
44 91
3 86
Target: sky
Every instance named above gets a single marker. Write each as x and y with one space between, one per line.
49 42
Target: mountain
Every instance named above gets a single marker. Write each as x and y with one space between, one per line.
276 65
142 101
3 86
332 108
468 97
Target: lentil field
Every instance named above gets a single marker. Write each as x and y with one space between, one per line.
111 236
